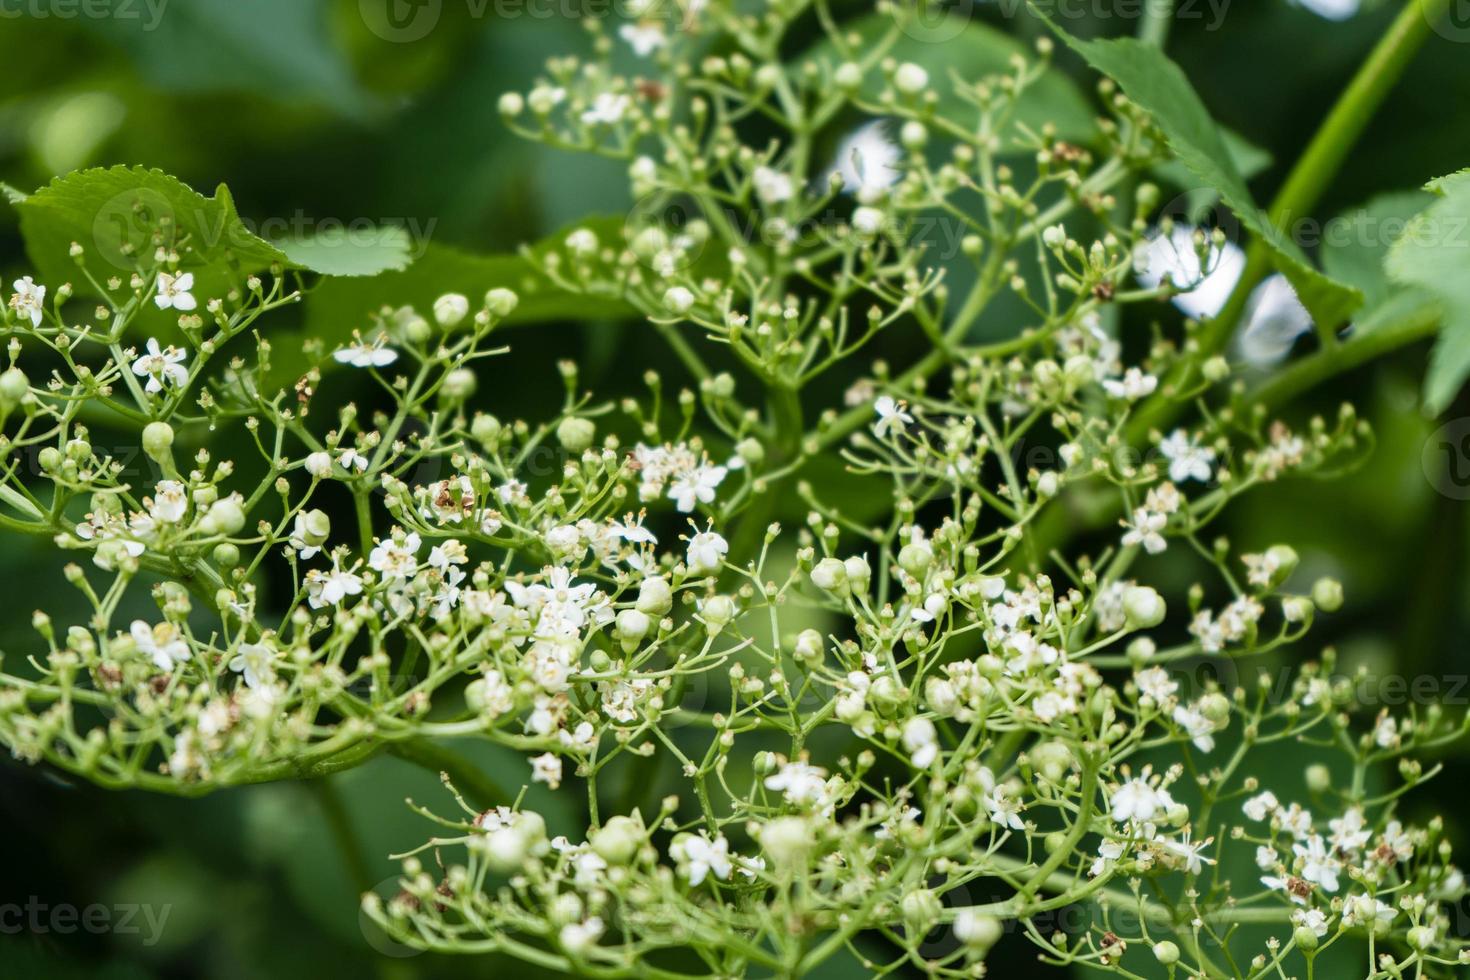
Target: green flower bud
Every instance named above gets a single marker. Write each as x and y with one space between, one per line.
451 309
655 597
459 384
1166 953
1319 778
751 451
49 458
485 428
225 516
1143 607
158 439
226 555
1306 939
978 932
830 575
501 302
13 387
618 840
1327 594
576 434
915 558
921 908
808 647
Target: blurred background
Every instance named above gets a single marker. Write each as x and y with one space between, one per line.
313 110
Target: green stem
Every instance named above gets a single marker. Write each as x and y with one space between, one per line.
339 821
1324 156
1157 17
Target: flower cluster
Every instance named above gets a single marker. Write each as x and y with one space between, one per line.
925 710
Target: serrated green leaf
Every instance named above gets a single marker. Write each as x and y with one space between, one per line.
1156 84
971 51
1434 254
115 215
351 252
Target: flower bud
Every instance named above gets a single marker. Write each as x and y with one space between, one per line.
13 387
158 438
787 840
225 516
858 573
485 428
915 558
678 300
655 597
617 840
501 302
319 465
1306 939
910 79
1166 953
632 626
1327 594
1318 778
830 575
451 309
1143 607
576 434
921 908
459 384
718 610
977 931
808 648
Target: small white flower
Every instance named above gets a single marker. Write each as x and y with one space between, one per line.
698 857
169 503
1145 530
799 782
546 768
697 486
1319 865
1199 728
868 161
577 937
771 186
1368 912
910 79
160 366
253 663
891 416
330 588
1187 459
1175 258
28 300
922 742
164 644
608 108
174 292
644 39
1138 801
706 553
1261 806
1134 385
364 354
1313 919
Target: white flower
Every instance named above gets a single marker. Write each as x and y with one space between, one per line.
1318 864
253 662
922 742
1182 849
607 108
644 39
160 366
1175 258
364 354
351 459
546 768
174 292
799 782
1145 530
169 502
1155 683
1332 9
28 300
163 643
1107 852
698 485
1199 728
678 300
1187 459
1137 800
891 416
1260 806
1274 319
771 186
319 465
910 79
330 588
867 161
1313 919
395 558
578 936
1135 385
1367 912
706 553
698 856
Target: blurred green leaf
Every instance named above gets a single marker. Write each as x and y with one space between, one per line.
977 50
1357 242
1434 253
1158 85
349 252
279 49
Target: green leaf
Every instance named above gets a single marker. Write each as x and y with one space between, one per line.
1434 254
115 215
969 52
351 252
1158 85
1249 160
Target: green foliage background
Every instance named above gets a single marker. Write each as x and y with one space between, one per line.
305 112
